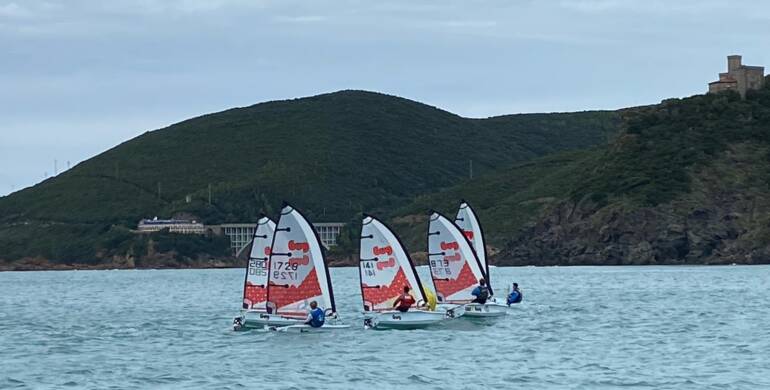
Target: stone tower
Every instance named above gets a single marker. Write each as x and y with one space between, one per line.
739 77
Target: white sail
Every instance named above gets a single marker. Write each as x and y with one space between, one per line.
298 271
385 267
255 285
453 264
468 222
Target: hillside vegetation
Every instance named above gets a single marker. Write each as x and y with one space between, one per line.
333 155
686 181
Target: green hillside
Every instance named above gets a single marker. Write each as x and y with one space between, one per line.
686 181
334 155
505 200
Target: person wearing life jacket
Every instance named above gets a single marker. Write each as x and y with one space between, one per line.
515 296
481 292
315 317
404 301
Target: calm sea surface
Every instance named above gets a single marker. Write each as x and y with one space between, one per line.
578 328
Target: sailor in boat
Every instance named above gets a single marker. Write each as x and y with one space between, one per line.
404 301
315 317
515 295
481 292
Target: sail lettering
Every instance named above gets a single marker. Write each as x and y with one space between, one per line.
386 250
453 245
449 245
469 234
257 267
453 258
296 246
284 275
440 268
290 265
297 261
368 268
391 262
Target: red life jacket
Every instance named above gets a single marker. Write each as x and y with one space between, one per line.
406 301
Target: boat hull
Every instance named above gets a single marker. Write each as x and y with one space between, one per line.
302 328
413 319
489 309
453 309
259 319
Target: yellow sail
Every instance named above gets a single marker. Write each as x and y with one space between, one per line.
431 298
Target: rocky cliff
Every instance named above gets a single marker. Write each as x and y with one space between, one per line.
687 182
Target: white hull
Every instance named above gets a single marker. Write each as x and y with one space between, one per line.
457 310
489 309
260 319
413 319
302 328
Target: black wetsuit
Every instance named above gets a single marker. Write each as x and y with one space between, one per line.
481 293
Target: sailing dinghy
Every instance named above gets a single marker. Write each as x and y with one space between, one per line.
255 285
467 221
298 275
454 267
385 268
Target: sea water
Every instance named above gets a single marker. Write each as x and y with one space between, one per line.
578 328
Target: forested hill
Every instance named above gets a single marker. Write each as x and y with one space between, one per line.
686 181
334 155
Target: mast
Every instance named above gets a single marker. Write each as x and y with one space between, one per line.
255 280
469 223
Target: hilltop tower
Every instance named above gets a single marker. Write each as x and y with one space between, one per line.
739 77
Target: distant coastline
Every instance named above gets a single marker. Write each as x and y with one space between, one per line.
44 265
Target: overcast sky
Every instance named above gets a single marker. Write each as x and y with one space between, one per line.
78 77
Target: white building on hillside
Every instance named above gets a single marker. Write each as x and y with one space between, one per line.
241 234
328 232
180 226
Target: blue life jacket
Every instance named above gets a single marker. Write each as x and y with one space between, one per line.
318 317
514 297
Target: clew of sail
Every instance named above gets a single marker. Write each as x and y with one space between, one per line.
385 267
298 272
255 285
467 221
453 264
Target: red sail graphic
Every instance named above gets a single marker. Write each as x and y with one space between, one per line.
254 294
283 295
451 286
376 296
